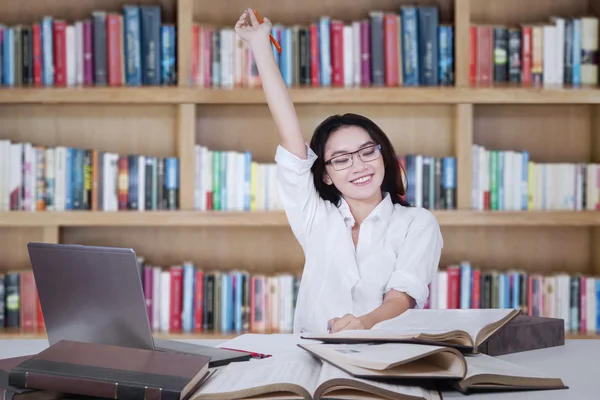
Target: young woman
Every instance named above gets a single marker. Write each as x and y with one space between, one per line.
369 255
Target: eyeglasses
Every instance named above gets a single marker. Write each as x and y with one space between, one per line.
346 160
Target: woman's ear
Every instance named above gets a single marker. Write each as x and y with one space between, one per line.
327 179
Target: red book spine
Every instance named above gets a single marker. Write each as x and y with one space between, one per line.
195 53
473 54
453 287
252 304
176 300
526 47
365 52
337 53
583 305
41 325
199 301
390 43
37 55
28 301
476 289
88 64
530 295
484 55
314 55
60 53
113 32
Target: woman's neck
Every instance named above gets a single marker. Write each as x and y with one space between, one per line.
361 209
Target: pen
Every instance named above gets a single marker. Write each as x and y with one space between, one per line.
273 40
252 354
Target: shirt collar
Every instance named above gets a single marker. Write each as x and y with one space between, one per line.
383 210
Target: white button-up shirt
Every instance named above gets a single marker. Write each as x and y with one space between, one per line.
398 248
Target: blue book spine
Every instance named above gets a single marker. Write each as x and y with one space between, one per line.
410 178
525 180
446 55
428 44
69 179
2 27
78 179
597 305
324 51
173 55
465 285
516 286
507 299
226 305
410 46
172 182
276 32
187 315
47 51
449 180
576 51
9 60
150 28
165 43
286 56
133 55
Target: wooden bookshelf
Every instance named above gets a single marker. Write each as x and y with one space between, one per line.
553 123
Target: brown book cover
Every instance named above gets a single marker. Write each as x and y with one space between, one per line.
8 392
525 333
111 371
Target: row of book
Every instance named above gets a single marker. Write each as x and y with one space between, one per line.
385 48
228 180
130 48
575 298
509 180
430 181
46 178
186 298
558 52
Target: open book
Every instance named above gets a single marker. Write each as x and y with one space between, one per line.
405 361
462 329
301 376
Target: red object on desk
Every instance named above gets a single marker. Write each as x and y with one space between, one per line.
252 354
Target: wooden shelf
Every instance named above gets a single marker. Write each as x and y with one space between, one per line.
277 218
301 95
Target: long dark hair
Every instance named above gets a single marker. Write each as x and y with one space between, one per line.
392 180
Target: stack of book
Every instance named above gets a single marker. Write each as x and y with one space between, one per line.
417 355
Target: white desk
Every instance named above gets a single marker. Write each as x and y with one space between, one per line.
577 363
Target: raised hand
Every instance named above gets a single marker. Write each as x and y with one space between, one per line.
249 29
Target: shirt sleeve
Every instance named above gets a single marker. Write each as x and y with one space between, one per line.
297 191
418 258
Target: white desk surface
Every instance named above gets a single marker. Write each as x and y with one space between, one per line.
577 363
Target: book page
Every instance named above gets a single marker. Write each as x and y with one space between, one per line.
272 344
240 377
483 364
329 373
432 321
378 356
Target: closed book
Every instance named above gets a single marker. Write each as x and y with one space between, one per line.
525 333
9 392
117 372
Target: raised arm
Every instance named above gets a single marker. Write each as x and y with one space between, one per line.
278 98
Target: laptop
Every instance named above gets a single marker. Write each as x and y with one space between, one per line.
94 294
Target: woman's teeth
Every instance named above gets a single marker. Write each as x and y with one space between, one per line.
362 180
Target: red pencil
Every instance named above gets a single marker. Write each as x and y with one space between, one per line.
273 40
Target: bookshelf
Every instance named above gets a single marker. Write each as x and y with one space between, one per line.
553 123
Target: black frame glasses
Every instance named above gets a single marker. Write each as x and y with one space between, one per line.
361 154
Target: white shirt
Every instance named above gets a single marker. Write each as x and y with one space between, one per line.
398 248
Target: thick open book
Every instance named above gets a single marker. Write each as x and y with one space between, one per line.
405 361
462 329
301 376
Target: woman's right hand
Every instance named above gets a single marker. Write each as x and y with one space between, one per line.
252 31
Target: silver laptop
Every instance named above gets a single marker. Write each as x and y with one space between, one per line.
94 294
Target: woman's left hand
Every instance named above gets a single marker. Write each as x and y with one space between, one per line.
346 322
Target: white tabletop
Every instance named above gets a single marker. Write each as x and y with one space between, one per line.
577 363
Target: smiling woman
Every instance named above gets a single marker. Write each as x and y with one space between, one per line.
370 256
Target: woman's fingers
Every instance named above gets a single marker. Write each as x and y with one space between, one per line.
253 19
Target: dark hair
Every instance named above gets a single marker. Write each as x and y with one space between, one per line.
392 180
